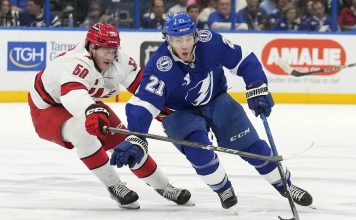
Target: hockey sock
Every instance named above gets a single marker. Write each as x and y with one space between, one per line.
206 163
89 150
267 169
150 173
98 164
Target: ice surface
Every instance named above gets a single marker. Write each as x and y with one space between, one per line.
40 180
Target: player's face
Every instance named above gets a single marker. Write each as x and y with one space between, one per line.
183 46
104 57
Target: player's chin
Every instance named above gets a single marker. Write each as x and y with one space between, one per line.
184 57
105 66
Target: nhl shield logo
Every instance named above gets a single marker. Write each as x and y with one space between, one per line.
164 63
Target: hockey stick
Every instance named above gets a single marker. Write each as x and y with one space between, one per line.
275 158
288 69
280 169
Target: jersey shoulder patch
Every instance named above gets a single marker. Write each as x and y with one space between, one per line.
164 63
204 35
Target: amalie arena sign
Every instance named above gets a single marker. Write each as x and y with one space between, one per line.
303 54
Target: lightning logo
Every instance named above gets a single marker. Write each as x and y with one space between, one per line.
202 92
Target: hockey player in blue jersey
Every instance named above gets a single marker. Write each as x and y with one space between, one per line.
185 77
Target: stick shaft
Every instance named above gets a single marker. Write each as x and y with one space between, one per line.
280 167
195 144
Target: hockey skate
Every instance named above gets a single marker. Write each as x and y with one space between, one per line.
124 197
228 198
300 196
177 195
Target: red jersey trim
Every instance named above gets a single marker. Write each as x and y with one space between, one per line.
70 86
41 90
134 85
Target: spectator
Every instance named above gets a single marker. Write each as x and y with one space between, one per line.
193 11
320 21
268 6
95 12
305 8
221 19
8 17
240 4
290 20
253 15
347 18
203 3
208 7
278 12
34 15
179 7
19 5
155 19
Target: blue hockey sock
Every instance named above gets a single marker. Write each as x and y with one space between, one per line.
279 184
267 169
206 163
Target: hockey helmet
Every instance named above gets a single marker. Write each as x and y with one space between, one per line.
179 24
103 35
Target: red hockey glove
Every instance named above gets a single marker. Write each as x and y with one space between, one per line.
97 117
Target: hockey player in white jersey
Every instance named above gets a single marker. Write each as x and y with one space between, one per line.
66 108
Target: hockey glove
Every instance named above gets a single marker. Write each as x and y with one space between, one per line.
258 98
129 152
97 117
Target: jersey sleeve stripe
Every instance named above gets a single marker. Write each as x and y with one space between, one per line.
67 87
134 85
41 90
148 106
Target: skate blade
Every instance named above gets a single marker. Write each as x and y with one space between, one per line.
134 205
312 206
234 209
189 203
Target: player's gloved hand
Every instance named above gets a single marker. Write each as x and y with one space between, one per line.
97 117
258 98
129 152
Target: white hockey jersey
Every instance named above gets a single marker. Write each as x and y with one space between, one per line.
72 81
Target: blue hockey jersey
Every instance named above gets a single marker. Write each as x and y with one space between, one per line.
169 82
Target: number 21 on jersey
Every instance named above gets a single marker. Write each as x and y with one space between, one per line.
155 86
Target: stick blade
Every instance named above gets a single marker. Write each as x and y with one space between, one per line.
284 66
286 218
288 69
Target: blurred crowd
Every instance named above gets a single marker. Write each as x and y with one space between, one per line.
280 15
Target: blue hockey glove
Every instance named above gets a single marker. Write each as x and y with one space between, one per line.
129 152
258 98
